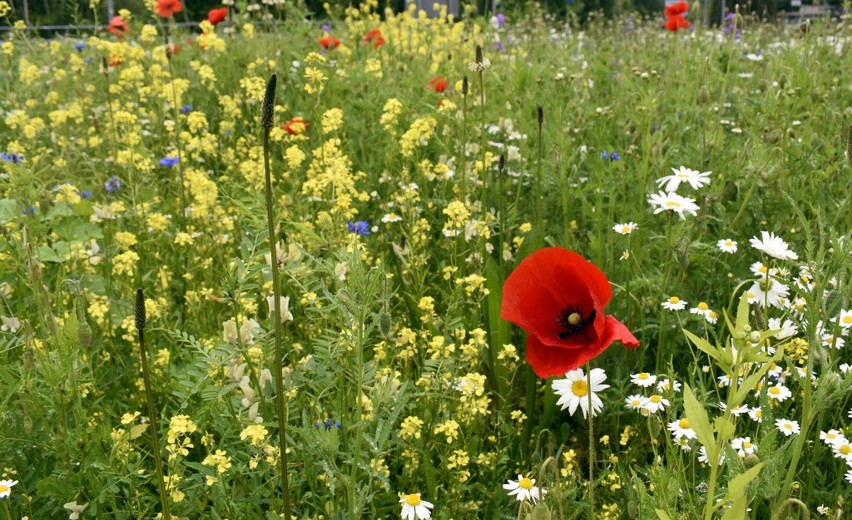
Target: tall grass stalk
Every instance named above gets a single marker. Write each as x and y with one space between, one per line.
591 441
267 116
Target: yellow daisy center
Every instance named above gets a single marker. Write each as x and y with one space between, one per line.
525 483
848 319
580 388
683 423
575 318
763 269
703 306
625 229
788 426
4 488
672 204
830 436
729 243
845 449
644 375
746 445
413 499
674 300
655 398
758 413
774 390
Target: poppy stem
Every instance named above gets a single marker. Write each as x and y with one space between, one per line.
591 442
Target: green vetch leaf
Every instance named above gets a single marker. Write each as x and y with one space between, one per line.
700 422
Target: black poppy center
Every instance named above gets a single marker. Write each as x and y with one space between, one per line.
571 321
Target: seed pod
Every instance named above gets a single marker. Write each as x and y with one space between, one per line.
140 310
703 94
267 110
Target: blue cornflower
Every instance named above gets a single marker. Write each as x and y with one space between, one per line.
500 46
186 109
86 194
112 185
30 211
13 158
360 227
79 47
610 157
326 28
168 162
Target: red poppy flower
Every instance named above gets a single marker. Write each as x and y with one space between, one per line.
558 297
673 23
167 8
438 84
329 42
117 26
676 9
217 16
375 36
295 126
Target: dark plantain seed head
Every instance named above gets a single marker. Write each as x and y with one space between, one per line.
464 86
140 310
539 112
267 110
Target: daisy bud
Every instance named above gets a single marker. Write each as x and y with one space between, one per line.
751 461
267 110
385 323
703 94
140 310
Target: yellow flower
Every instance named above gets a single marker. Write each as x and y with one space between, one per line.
410 428
332 119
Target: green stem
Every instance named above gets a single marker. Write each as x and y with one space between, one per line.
276 320
591 442
152 415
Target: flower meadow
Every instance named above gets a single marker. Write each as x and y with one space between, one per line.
394 266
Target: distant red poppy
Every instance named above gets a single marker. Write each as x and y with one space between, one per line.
673 23
167 8
675 16
329 42
676 9
118 27
375 36
438 84
295 126
558 297
217 16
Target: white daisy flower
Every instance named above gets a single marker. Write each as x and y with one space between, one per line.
625 229
787 427
673 202
849 476
756 414
726 245
768 291
655 403
524 488
724 380
683 442
736 412
841 447
643 379
785 329
665 385
844 367
702 309
574 391
743 446
686 176
674 304
773 246
6 487
391 217
760 270
681 428
829 340
413 506
845 319
712 317
702 456
831 436
635 402
779 393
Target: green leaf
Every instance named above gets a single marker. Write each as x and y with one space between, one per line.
751 381
724 428
737 511
700 422
60 210
705 346
7 210
662 515
737 486
498 329
742 312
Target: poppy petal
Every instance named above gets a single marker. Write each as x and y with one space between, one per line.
547 361
617 331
